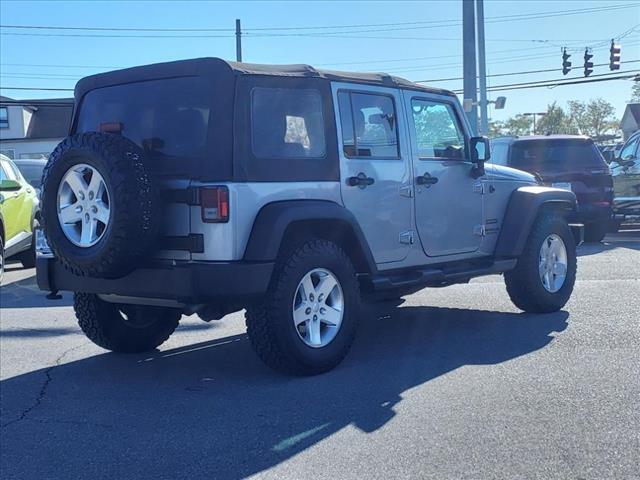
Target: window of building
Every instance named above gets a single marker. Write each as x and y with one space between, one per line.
438 133
287 123
4 117
10 153
369 125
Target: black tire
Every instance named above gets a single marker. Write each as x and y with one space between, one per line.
524 285
270 325
134 203
143 329
28 257
595 232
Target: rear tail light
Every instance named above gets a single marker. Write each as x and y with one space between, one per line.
214 204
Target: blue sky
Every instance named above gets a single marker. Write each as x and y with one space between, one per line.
418 51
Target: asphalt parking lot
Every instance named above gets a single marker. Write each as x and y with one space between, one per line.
453 383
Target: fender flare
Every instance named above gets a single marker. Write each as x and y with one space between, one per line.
522 210
274 219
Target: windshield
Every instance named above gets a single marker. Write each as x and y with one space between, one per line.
168 117
555 154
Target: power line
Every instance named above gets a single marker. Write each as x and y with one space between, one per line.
409 25
509 74
560 82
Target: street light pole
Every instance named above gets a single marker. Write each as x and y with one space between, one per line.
482 70
469 61
238 41
534 115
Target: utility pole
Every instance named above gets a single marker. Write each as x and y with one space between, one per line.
482 70
469 61
238 41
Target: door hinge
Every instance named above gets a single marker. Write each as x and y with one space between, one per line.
406 237
478 188
406 191
479 230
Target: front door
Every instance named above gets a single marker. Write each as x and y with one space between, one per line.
375 167
448 200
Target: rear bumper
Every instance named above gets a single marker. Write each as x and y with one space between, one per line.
188 283
591 213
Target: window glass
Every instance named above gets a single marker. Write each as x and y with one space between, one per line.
4 117
437 132
32 173
287 123
629 149
555 154
499 152
3 176
167 118
11 171
369 125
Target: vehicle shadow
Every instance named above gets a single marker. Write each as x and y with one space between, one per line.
212 409
26 294
622 239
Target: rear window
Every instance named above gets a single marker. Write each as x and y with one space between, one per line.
167 118
32 173
557 154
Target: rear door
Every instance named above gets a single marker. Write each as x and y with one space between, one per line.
448 199
375 167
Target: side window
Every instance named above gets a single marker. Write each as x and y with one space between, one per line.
369 125
11 171
3 176
438 133
287 123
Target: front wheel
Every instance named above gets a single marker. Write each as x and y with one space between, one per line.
307 322
124 328
543 279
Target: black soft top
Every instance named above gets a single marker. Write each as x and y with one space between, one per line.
225 70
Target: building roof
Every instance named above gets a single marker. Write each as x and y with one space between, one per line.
50 117
631 112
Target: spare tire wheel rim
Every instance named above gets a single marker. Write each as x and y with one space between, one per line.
84 205
553 263
318 308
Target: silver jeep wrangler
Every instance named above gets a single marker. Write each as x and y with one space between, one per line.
205 186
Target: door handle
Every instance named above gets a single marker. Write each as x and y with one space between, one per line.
426 179
361 180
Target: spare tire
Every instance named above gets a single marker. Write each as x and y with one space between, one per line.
99 205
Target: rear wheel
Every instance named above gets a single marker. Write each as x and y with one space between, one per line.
595 232
124 328
307 321
28 257
546 271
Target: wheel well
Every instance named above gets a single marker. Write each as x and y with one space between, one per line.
2 230
334 230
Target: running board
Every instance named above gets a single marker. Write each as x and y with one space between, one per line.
438 276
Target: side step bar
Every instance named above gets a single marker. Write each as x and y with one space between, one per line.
438 276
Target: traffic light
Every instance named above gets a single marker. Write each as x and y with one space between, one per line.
566 64
588 64
614 57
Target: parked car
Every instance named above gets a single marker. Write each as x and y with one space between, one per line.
570 162
31 169
19 212
205 186
626 182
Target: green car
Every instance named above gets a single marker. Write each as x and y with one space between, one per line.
19 213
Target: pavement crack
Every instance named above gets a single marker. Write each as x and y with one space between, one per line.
44 388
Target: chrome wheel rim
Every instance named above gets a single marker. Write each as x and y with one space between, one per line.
553 263
318 308
84 205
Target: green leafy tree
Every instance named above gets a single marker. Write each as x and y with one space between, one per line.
496 129
599 119
518 125
554 121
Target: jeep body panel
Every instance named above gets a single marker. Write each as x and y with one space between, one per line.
524 205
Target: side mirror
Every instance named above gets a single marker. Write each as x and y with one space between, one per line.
9 185
480 150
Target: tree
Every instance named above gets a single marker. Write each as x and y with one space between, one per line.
553 122
496 129
518 125
599 119
635 92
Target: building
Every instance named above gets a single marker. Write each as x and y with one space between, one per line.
33 128
630 122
